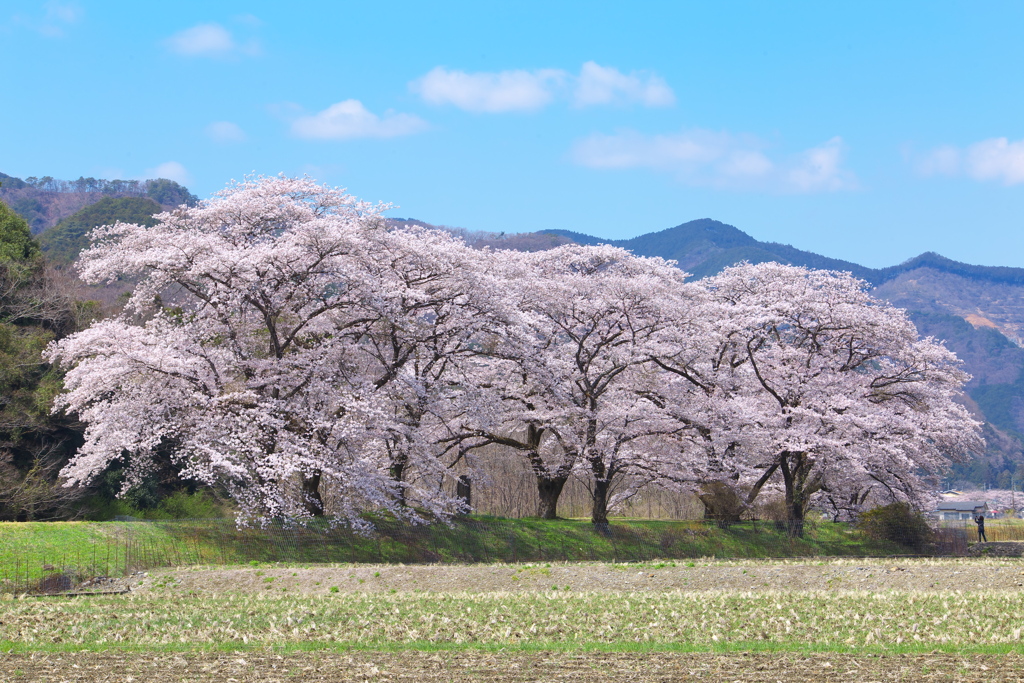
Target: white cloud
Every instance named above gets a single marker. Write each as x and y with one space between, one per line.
171 170
250 20
56 19
995 159
607 85
209 40
204 39
350 119
819 169
225 132
64 12
489 92
519 90
944 160
718 159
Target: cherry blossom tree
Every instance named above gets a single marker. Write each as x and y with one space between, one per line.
835 386
250 347
286 343
428 304
566 375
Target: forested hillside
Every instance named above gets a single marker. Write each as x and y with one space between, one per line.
44 202
63 242
35 308
41 300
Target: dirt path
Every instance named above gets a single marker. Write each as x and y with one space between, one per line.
870 575
500 667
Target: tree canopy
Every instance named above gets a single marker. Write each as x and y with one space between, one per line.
288 344
16 241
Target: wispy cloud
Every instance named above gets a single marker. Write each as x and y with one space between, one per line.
520 90
55 21
996 159
350 119
171 170
719 159
210 40
225 132
607 85
489 92
59 16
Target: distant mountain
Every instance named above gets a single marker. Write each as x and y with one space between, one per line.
63 242
44 202
703 247
977 310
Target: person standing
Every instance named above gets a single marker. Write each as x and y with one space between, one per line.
980 521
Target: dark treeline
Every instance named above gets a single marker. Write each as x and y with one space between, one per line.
161 190
41 302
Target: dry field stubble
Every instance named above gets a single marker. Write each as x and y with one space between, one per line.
867 574
510 667
862 620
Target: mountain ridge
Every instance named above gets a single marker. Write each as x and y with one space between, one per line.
731 245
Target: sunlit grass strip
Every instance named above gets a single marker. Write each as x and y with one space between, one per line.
33 550
30 551
703 621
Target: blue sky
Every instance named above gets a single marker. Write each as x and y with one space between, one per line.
865 131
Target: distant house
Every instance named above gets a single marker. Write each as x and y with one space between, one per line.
962 510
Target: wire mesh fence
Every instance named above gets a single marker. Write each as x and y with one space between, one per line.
100 566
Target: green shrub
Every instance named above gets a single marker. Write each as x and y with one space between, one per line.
177 505
899 523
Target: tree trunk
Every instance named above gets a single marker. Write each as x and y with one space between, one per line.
464 492
794 474
311 498
599 515
602 482
397 471
548 491
795 512
549 487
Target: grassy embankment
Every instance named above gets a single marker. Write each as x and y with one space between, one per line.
29 551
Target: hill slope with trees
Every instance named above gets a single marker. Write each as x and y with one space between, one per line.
63 242
44 202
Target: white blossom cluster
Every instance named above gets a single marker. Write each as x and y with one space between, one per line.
286 343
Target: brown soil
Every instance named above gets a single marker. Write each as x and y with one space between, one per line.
996 574
437 667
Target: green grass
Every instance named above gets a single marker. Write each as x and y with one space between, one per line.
712 622
32 550
27 547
